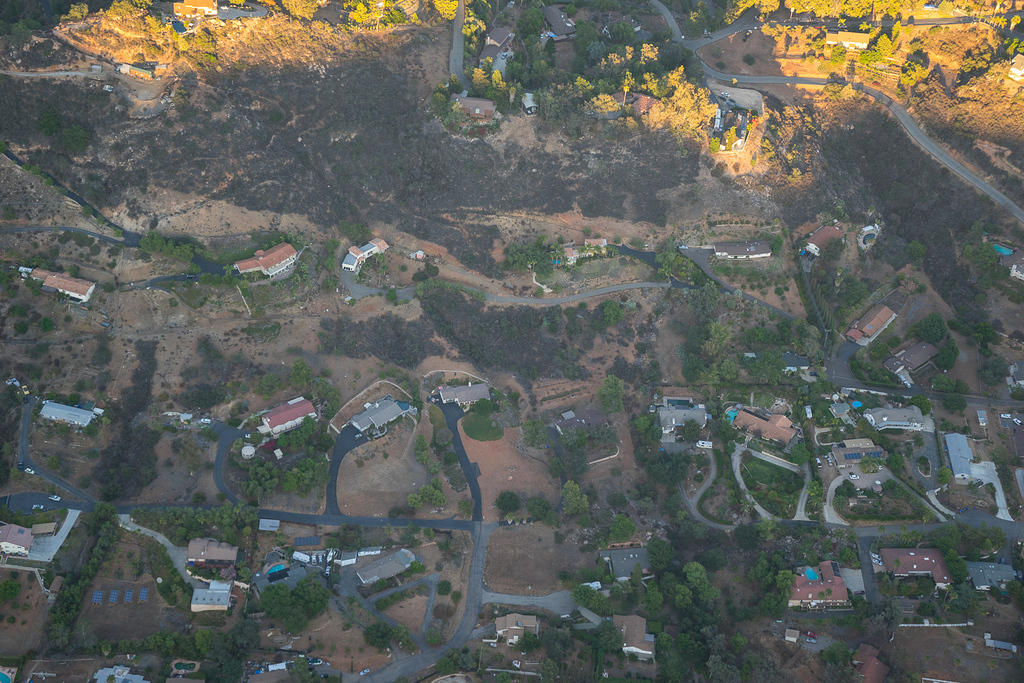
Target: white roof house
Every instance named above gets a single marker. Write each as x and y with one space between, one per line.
909 418
215 598
382 412
69 414
960 456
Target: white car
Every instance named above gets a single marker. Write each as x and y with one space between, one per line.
55 499
854 476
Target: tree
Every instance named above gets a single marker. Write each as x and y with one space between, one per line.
535 433
931 328
301 375
659 553
685 113
508 502
303 9
923 403
446 8
78 10
622 528
610 394
378 635
945 475
946 358
574 501
653 599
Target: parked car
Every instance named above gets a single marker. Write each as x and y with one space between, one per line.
24 390
29 470
364 672
55 498
38 507
854 476
811 637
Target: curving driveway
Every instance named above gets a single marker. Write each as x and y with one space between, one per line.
737 462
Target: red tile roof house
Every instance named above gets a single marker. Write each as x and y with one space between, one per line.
287 416
866 661
778 428
14 539
476 107
269 262
826 590
902 562
79 290
821 237
865 330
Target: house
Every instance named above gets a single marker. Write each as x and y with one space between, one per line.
386 567
999 644
477 108
912 357
347 558
987 575
909 418
72 287
622 561
270 262
585 419
822 237
867 664
269 524
856 449
743 250
822 589
380 413
14 539
58 412
195 8
216 598
1015 262
851 40
635 638
561 26
356 256
497 42
960 457
792 362
778 428
673 416
464 394
513 626
208 552
287 416
118 674
1017 68
530 107
865 330
840 410
643 104
149 72
289 577
904 562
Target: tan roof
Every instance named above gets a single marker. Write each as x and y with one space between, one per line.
847 37
64 283
199 4
522 622
874 320
916 561
211 550
634 631
824 235
829 586
44 529
476 106
265 260
18 535
775 427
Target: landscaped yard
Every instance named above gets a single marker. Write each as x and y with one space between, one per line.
482 426
775 488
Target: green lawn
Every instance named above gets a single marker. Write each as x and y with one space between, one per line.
482 427
775 488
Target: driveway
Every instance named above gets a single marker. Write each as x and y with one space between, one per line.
986 472
831 516
558 603
179 555
737 461
45 547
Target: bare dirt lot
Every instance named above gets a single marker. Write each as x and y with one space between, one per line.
22 620
945 650
504 465
334 637
409 612
506 572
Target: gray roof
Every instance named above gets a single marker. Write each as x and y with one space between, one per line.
790 359
69 414
465 393
218 594
270 524
295 573
558 21
960 454
379 414
386 567
985 574
839 409
625 559
895 417
121 674
671 416
350 260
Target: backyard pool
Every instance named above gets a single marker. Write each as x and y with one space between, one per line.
1000 249
731 414
277 568
856 404
811 574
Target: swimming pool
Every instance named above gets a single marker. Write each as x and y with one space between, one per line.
856 404
273 570
5 677
731 414
811 574
1000 249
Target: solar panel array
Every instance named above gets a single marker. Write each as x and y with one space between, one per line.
143 594
97 597
128 595
113 596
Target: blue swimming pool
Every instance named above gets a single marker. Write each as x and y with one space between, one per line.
811 574
731 414
856 404
1000 249
277 568
4 678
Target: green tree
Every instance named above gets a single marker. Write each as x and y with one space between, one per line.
535 433
945 475
301 375
622 528
508 502
610 394
78 10
303 9
931 328
75 138
378 635
574 501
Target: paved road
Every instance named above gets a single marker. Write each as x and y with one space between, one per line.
456 56
452 414
693 504
831 516
50 74
801 505
558 603
179 555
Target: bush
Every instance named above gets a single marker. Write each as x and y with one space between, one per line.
444 587
508 502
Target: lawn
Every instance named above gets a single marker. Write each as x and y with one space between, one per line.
775 488
482 427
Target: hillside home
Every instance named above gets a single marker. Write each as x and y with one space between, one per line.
909 418
635 638
911 358
530 107
356 256
851 40
904 562
464 395
386 567
72 287
988 575
58 412
476 108
286 416
672 416
208 552
792 362
777 428
866 329
1017 68
960 457
498 42
118 674
195 8
822 237
868 666
1014 261
856 449
583 418
743 250
216 598
622 562
14 539
380 413
270 262
560 26
822 588
513 626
